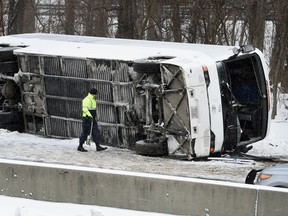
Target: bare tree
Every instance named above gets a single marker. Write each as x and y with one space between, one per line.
11 16
215 22
176 21
51 16
21 16
126 19
280 49
153 20
101 19
192 22
148 22
96 20
70 7
256 20
1 19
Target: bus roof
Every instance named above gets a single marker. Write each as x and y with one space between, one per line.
109 48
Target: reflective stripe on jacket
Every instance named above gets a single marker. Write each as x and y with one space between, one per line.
89 106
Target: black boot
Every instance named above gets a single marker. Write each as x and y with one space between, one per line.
100 148
81 149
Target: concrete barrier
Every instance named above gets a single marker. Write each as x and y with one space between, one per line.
138 191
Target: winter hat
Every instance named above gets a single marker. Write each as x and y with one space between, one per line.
93 91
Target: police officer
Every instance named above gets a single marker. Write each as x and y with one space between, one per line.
89 113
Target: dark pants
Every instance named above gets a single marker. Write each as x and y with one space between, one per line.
86 127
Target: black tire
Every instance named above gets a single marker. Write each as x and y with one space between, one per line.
142 66
10 90
11 121
150 148
6 54
150 65
9 68
8 61
8 117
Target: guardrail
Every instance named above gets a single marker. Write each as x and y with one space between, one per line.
138 191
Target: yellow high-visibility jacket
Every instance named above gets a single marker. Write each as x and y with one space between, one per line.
89 106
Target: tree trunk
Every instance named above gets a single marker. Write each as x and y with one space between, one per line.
11 16
126 19
1 19
154 20
256 20
70 7
101 20
284 72
194 23
280 50
277 61
21 16
89 18
97 18
176 21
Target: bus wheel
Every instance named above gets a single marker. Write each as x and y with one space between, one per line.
149 65
151 148
11 121
142 66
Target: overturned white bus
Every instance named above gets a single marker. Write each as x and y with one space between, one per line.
157 97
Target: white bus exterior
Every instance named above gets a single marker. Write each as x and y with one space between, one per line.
157 97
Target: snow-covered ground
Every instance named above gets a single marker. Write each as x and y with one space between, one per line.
28 147
27 207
